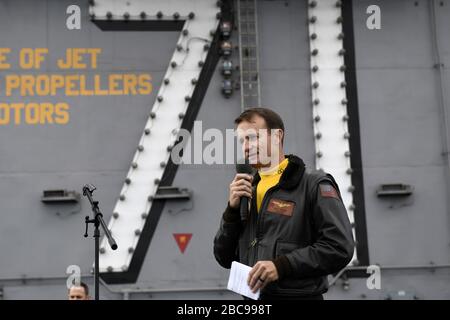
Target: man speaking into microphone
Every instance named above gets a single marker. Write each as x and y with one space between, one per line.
295 229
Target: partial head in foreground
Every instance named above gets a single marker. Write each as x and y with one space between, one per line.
79 292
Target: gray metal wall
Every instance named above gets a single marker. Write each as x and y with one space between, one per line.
401 141
96 146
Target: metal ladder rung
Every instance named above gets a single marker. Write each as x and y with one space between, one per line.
248 49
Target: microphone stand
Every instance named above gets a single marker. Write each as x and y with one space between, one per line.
97 221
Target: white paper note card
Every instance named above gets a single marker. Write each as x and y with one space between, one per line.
238 280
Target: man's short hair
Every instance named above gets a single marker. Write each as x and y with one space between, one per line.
272 119
84 286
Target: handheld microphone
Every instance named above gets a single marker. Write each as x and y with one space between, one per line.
244 168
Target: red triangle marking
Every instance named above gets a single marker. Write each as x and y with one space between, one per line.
182 240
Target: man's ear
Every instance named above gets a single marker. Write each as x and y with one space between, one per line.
279 133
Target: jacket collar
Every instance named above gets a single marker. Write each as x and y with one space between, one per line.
291 176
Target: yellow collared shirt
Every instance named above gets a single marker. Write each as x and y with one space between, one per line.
269 178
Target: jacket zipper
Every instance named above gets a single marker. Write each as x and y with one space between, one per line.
253 244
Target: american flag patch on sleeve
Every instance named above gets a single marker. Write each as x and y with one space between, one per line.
328 191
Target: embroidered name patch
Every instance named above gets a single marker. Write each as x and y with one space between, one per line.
328 191
283 207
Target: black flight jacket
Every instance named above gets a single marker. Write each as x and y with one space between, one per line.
302 226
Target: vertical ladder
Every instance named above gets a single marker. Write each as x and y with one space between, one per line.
248 54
